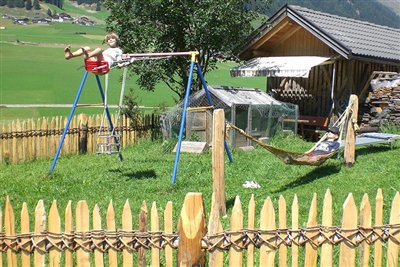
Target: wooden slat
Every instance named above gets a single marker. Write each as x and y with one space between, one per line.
31 141
9 230
267 222
191 229
365 222
38 147
142 228
216 257
52 138
282 225
295 227
235 253
69 228
378 221
19 150
98 255
66 148
349 221
82 225
393 245
43 141
311 251
40 226
91 138
24 156
327 221
25 229
250 226
168 228
14 152
127 225
110 222
155 227
54 227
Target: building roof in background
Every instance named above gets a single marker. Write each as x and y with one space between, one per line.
348 37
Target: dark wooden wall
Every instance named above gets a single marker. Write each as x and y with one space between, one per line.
313 95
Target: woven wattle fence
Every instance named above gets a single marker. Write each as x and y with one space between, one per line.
269 242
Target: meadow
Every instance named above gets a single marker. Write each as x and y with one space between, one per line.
33 71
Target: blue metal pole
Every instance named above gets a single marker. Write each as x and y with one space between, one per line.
78 94
203 81
108 116
178 149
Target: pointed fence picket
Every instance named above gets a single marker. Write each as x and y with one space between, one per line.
21 141
86 242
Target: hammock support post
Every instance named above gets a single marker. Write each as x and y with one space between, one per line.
218 160
349 149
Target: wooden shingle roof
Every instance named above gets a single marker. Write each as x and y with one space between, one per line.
349 38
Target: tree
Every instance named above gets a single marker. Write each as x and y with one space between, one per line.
10 3
28 5
19 3
98 5
49 13
3 2
36 4
211 27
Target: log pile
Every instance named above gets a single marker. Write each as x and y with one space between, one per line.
382 104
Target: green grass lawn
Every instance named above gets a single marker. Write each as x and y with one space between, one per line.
145 174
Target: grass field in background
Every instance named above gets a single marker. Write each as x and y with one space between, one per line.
34 71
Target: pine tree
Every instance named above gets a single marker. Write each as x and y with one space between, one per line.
36 4
49 13
98 5
28 4
3 2
11 3
19 3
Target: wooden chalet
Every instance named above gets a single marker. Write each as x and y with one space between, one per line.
355 51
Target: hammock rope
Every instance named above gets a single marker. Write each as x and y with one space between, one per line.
306 158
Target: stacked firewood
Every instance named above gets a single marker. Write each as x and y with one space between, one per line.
382 105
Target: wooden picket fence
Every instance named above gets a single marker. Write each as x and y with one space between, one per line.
76 243
22 141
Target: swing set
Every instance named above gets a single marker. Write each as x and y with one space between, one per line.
108 140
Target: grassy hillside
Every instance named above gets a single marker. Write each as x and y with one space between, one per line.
34 71
69 7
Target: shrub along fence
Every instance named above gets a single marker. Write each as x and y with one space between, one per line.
22 141
271 243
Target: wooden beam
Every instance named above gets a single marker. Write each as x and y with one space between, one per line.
349 149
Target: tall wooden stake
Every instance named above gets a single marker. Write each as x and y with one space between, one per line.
349 149
218 159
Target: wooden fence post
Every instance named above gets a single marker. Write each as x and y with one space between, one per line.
218 159
393 245
191 229
83 133
349 149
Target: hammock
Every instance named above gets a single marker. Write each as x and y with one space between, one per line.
289 157
306 158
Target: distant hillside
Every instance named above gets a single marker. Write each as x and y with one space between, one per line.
372 10
392 4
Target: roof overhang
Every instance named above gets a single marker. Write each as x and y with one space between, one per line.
269 28
278 66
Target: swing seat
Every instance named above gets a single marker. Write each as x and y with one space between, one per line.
98 67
